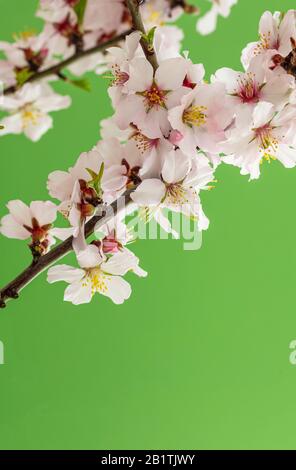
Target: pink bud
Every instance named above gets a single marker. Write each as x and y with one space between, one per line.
110 245
175 137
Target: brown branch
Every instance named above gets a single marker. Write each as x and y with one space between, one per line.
133 6
56 69
12 289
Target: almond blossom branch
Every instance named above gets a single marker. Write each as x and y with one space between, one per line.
12 289
56 69
133 6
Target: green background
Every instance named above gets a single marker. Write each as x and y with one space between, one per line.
199 356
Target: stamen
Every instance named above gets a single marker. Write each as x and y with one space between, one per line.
119 78
195 116
154 97
143 143
30 115
97 279
249 89
268 144
176 194
265 43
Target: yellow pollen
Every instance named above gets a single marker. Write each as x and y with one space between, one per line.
176 194
264 43
97 279
30 116
195 116
268 144
267 157
154 97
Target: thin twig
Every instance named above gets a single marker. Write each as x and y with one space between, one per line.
12 289
56 69
133 6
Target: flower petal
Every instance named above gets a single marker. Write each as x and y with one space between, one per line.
149 192
35 130
63 272
176 167
78 293
89 257
44 211
171 73
20 212
12 229
118 289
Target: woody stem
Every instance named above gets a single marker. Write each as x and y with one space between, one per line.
133 6
56 69
12 289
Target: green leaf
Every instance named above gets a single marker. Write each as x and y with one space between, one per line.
150 35
82 83
96 179
23 75
149 38
80 10
100 175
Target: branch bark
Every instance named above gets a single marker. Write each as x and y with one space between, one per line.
12 289
133 6
56 69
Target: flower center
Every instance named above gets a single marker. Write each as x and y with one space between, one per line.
154 97
188 83
119 77
97 279
40 237
30 115
195 116
248 89
266 43
143 143
267 142
175 194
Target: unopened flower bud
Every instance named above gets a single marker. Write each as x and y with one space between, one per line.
175 137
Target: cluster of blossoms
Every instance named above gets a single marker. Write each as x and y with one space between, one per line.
72 27
169 132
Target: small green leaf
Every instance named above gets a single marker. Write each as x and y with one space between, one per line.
150 35
22 76
101 172
95 183
82 83
80 10
149 38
